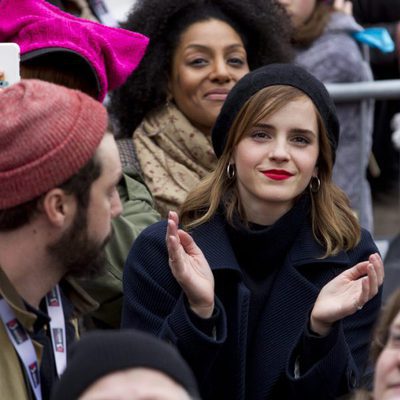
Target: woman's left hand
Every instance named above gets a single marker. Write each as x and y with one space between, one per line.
346 294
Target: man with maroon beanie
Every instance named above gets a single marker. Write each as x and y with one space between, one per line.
58 177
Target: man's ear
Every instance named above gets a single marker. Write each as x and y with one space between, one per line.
58 206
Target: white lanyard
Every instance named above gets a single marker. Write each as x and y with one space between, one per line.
22 342
57 328
23 346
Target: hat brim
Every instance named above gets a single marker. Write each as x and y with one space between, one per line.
30 55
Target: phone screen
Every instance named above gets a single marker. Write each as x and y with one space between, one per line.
9 64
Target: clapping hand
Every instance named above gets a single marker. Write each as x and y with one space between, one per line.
346 294
190 268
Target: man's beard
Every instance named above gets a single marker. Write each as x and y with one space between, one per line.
78 254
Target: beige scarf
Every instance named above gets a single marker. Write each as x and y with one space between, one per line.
173 156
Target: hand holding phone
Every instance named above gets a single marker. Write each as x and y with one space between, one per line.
9 64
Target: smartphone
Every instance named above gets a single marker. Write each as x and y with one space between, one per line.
9 64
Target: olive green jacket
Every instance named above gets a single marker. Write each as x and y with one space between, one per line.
138 213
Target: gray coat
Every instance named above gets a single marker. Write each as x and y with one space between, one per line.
335 57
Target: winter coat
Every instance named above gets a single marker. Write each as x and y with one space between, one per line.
265 367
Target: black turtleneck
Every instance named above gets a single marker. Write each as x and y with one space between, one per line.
261 250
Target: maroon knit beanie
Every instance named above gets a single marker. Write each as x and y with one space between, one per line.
47 133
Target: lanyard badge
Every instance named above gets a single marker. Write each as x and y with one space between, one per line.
22 342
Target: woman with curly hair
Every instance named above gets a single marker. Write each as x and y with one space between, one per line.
198 50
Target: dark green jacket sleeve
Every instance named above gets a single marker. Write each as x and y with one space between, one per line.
138 213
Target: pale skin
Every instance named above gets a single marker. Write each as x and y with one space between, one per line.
190 268
135 384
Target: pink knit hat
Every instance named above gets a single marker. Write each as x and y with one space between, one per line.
36 26
47 133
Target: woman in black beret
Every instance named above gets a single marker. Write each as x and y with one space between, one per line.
273 293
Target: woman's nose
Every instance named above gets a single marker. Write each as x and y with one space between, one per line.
220 71
279 151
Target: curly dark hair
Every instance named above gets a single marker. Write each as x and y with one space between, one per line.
262 24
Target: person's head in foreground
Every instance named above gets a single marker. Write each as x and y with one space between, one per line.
125 365
276 138
58 177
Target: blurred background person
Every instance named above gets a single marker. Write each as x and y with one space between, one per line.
325 47
70 51
385 353
383 13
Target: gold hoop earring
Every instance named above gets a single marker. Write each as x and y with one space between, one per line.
315 184
230 171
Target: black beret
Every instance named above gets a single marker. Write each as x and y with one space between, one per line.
269 75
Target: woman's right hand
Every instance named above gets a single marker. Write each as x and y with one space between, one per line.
190 268
347 293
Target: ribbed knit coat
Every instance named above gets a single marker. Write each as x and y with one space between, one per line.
154 302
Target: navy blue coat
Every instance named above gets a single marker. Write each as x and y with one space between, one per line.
262 368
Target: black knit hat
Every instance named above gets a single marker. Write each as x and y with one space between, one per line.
270 75
101 353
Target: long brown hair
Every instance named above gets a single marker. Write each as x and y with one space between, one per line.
333 222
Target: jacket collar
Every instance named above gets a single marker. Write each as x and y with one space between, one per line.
11 296
81 301
306 250
213 239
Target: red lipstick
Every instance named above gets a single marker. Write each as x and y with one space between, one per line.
277 174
